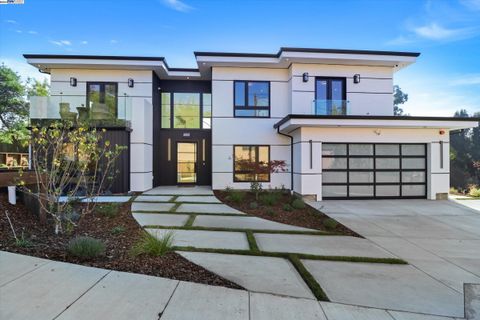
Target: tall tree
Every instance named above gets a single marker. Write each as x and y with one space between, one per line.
37 88
399 97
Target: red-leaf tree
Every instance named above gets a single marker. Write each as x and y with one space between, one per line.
257 169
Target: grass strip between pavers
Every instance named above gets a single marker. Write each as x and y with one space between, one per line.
308 278
190 220
252 242
174 208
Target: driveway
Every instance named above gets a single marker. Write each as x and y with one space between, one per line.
439 238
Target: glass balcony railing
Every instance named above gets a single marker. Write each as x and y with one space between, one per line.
330 107
109 111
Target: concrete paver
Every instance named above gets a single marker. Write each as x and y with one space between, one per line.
259 274
194 301
122 295
161 219
14 265
397 315
216 208
207 199
269 307
205 239
154 206
397 287
243 223
336 311
47 291
320 245
143 198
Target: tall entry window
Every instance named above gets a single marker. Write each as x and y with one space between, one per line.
180 110
247 158
330 96
252 99
102 100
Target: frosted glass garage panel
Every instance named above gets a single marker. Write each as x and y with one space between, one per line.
413 149
360 149
413 163
335 149
413 176
387 177
334 177
334 163
334 191
413 190
361 191
361 163
387 163
360 177
387 191
387 149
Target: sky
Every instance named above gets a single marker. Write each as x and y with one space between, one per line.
445 78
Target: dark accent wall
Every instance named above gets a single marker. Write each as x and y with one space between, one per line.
121 182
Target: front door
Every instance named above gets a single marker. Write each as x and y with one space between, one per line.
186 162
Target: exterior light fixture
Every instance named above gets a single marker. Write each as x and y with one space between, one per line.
441 132
73 82
356 78
305 77
130 82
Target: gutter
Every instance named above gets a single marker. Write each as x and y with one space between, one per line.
291 156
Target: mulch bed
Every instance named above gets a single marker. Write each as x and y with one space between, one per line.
45 244
307 217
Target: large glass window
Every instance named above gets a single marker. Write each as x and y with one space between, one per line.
207 111
166 104
330 96
251 163
252 99
102 100
182 110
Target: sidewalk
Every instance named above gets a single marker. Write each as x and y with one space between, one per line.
33 288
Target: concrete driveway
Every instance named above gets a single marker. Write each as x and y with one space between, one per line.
439 238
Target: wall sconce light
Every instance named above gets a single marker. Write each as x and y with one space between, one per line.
441 132
356 78
130 82
73 82
377 132
305 77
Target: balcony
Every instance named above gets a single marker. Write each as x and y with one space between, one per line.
110 112
330 107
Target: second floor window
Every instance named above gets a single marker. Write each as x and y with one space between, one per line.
252 99
181 110
102 100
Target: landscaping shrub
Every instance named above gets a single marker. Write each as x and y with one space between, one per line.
298 204
23 242
256 188
118 230
108 209
474 191
454 191
270 198
153 246
271 212
287 207
85 247
253 205
237 196
330 224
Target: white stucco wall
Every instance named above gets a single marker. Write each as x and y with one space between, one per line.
140 97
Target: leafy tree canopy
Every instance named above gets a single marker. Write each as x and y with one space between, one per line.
399 97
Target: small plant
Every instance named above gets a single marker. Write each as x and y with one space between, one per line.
271 212
287 207
474 191
117 230
454 190
270 198
153 246
237 196
256 188
330 224
254 205
108 209
85 247
298 204
22 242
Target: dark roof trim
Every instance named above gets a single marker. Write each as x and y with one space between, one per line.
307 116
314 50
66 56
183 69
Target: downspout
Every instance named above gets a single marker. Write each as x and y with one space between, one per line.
291 156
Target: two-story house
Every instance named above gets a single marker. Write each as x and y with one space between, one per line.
327 113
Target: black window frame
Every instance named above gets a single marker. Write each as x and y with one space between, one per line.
257 154
329 86
102 84
246 106
172 110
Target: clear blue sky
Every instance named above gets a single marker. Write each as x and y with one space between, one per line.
445 78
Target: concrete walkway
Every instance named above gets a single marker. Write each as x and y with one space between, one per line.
33 288
439 239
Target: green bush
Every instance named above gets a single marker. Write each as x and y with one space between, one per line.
330 224
270 198
118 230
108 209
22 242
254 205
237 196
474 191
271 212
287 207
153 246
298 204
85 247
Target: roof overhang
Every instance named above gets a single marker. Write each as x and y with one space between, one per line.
295 121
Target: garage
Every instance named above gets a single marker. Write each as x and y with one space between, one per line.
374 170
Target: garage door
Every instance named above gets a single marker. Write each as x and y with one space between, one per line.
367 171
